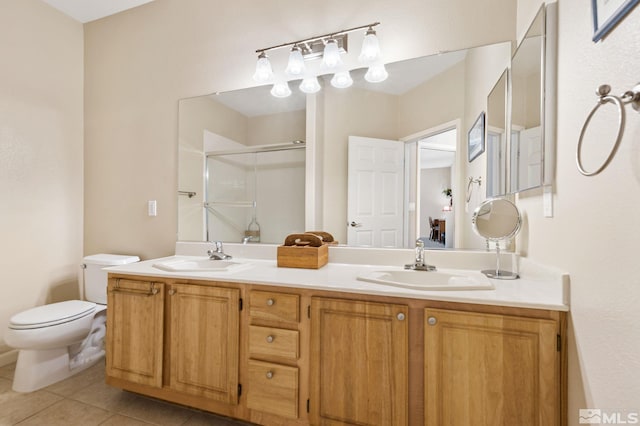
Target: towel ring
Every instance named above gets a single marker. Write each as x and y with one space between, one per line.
630 96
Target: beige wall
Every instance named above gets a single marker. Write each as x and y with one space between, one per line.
40 156
604 338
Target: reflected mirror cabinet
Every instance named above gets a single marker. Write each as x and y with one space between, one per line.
249 162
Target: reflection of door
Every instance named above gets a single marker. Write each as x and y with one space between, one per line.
526 154
375 192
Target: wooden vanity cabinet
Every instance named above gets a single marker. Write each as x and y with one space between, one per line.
273 379
300 357
174 341
491 370
135 331
204 341
359 363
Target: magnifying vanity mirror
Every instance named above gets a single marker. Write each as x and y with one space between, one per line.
497 220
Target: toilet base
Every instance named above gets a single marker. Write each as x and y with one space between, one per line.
37 369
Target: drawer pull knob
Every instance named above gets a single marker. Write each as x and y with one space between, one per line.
271 302
432 321
172 291
270 339
269 375
400 316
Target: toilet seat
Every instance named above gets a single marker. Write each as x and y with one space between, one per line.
51 315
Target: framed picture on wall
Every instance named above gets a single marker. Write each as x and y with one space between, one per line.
607 14
476 138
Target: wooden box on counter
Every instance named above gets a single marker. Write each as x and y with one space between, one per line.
303 257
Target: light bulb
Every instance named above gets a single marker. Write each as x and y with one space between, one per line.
263 69
370 47
331 56
341 80
281 89
310 85
376 73
295 66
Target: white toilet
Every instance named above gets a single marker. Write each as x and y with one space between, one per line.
58 340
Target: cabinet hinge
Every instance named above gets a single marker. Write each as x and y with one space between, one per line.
309 311
308 405
558 342
239 390
241 303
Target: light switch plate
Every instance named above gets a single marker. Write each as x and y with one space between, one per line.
152 207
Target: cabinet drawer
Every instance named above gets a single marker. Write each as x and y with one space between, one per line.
267 341
270 305
273 388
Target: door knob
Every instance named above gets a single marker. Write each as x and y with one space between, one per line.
355 224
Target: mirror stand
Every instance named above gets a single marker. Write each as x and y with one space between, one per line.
497 219
499 273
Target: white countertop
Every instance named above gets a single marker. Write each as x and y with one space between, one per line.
533 290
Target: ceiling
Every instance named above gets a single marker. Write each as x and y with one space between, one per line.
90 10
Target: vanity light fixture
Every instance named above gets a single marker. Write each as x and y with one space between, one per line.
376 73
310 85
331 56
342 80
281 90
296 65
330 46
370 47
263 69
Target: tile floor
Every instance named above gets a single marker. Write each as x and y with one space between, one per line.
85 400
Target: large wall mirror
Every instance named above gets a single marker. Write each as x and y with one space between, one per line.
533 104
239 151
424 100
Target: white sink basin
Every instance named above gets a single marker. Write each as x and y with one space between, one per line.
200 265
429 280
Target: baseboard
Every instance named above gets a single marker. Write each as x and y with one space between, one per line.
7 358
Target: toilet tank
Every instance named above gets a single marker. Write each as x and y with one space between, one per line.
95 277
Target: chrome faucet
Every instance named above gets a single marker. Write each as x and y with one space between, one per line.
218 253
246 239
420 264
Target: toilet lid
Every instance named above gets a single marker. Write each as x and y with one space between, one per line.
52 314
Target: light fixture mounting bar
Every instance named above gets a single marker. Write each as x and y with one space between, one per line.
316 38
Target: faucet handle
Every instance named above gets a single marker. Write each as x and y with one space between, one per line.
419 243
218 246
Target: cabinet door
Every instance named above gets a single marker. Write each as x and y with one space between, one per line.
204 341
135 331
359 363
491 370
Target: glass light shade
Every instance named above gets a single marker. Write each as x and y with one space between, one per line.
280 89
341 80
310 85
263 69
376 73
331 56
296 65
370 48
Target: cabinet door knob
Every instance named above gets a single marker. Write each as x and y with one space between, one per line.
270 339
172 291
269 374
271 302
432 321
401 316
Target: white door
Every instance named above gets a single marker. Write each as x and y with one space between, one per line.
375 192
